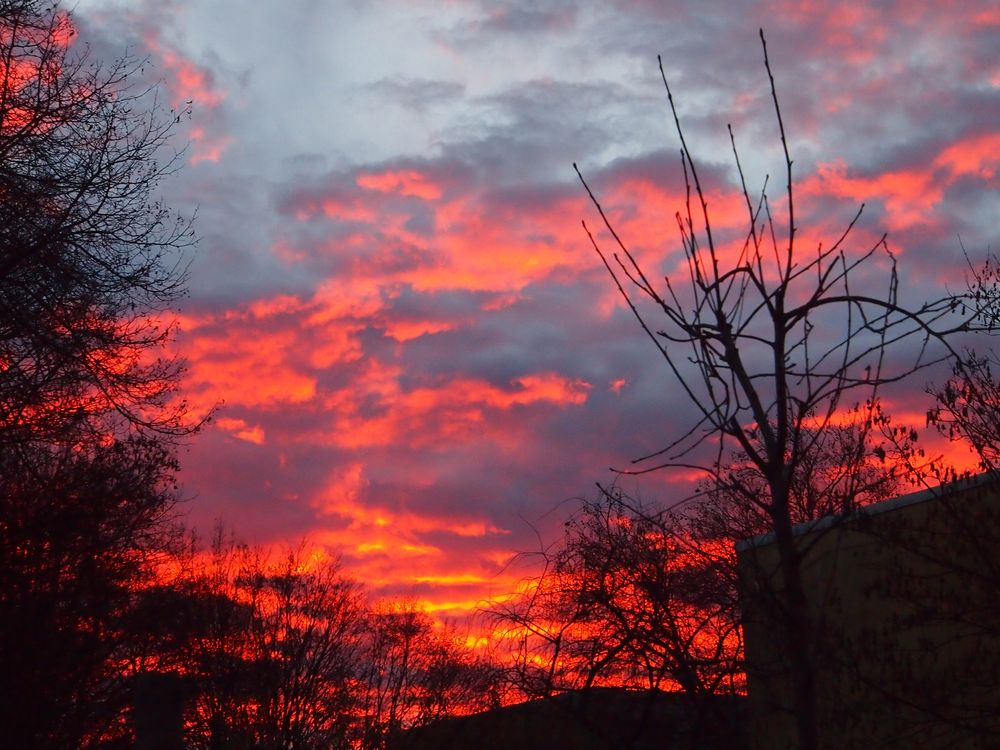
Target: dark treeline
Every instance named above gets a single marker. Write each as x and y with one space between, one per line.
285 651
88 417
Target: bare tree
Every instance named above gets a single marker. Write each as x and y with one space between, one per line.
860 461
272 648
772 344
625 599
90 260
412 673
967 407
89 256
545 636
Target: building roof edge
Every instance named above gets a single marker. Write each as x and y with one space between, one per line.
884 506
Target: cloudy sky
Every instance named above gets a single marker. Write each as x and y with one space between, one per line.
419 359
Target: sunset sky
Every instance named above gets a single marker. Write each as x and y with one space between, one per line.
419 359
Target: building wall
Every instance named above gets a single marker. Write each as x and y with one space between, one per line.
595 719
905 597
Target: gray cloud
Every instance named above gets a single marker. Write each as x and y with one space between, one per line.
393 229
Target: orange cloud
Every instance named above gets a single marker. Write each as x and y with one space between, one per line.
205 148
466 243
407 182
977 157
190 87
352 209
239 428
449 410
269 351
251 368
910 196
186 82
373 527
386 548
407 330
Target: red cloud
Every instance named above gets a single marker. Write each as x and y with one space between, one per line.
467 240
250 368
407 330
386 547
186 82
404 182
191 87
978 156
911 195
453 409
239 428
206 148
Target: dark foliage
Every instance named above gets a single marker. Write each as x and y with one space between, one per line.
88 256
89 264
81 528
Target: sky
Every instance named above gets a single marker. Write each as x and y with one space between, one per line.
419 364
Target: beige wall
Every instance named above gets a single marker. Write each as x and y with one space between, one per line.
907 601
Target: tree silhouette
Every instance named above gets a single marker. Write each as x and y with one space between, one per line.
411 674
626 598
90 262
89 257
773 343
271 650
81 529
